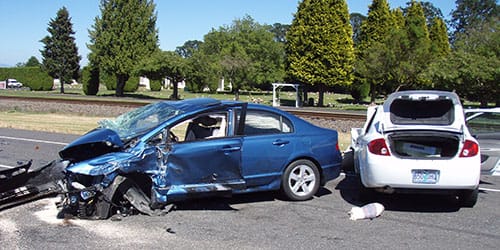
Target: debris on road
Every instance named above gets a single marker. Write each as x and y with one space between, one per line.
368 211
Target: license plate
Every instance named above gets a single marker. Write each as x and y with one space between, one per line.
425 176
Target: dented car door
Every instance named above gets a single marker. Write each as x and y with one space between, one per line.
204 166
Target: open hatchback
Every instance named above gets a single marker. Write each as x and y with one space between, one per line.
417 141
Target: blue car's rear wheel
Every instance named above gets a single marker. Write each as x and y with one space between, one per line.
300 180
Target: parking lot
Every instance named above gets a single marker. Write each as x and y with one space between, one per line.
254 221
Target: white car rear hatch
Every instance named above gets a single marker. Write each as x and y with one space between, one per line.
423 110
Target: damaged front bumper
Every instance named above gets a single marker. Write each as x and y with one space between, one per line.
26 183
92 197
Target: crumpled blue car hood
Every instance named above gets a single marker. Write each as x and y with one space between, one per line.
97 142
101 165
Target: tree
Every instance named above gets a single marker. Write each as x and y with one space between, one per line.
32 62
164 64
377 26
319 45
247 53
372 50
472 69
60 54
123 35
279 30
189 48
440 46
417 46
470 14
431 12
204 71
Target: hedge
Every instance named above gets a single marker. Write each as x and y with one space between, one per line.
33 77
109 81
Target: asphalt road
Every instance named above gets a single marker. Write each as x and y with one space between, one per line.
251 221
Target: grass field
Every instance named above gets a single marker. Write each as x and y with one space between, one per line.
59 123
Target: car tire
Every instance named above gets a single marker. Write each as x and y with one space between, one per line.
130 196
468 198
300 180
348 161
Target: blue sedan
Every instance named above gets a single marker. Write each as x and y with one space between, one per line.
173 150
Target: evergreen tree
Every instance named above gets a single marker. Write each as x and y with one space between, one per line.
123 35
60 54
319 45
373 53
418 46
440 46
377 26
398 18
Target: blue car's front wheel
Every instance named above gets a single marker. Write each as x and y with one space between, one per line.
300 180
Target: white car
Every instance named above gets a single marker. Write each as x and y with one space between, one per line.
418 141
484 124
13 83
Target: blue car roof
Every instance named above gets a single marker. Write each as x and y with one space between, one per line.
195 103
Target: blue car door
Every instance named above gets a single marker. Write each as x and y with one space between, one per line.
267 147
205 162
208 160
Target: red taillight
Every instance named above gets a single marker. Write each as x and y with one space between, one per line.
470 149
337 146
378 147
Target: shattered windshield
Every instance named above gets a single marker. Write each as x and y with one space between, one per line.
141 120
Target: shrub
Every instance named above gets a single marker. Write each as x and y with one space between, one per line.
360 91
90 80
33 77
155 85
132 84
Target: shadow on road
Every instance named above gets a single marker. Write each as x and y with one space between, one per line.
225 203
350 190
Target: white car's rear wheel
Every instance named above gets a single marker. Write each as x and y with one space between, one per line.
300 180
468 198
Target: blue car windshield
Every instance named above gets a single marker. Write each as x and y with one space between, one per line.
141 120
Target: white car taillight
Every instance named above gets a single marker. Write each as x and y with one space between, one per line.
379 147
470 149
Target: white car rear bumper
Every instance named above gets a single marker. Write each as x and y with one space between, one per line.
393 172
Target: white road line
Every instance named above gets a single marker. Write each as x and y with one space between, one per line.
489 189
5 166
33 140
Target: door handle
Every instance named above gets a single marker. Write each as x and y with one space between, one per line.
280 142
231 149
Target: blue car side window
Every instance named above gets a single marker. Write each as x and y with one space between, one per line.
205 126
263 122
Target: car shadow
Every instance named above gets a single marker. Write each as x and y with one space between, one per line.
225 202
350 188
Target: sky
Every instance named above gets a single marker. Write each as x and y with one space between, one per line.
24 22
